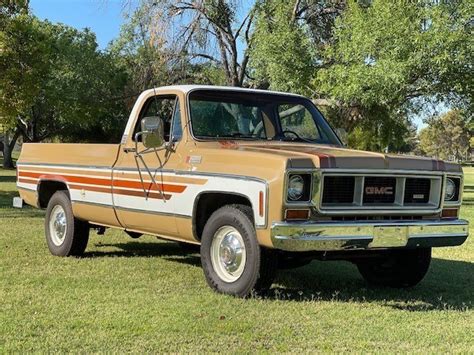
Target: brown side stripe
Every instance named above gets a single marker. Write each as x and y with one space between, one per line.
154 195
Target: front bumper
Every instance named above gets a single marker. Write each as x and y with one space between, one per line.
329 236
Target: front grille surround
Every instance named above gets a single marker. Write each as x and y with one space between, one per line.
402 201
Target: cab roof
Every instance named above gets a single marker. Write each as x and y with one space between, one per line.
188 88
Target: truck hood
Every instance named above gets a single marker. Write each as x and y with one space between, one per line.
301 155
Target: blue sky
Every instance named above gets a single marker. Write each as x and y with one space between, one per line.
103 17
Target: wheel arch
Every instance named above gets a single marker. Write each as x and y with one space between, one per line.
207 202
47 188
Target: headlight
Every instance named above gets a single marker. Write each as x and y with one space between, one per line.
295 187
450 190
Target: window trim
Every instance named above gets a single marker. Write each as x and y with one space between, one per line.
291 96
173 118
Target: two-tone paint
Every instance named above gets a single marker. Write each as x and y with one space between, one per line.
106 189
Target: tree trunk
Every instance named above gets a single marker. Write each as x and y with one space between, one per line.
8 149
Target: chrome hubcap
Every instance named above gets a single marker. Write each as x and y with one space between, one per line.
57 225
228 254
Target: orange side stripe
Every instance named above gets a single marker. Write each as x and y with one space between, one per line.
108 182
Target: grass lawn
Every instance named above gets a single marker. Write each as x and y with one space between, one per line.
147 295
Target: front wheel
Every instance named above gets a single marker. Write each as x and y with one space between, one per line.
231 257
398 268
65 234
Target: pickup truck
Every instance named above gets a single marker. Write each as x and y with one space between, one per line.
258 179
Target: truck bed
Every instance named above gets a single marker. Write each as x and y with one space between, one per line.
103 155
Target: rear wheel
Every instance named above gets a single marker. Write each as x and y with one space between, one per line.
232 260
65 234
398 268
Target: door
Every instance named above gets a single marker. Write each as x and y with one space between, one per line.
143 186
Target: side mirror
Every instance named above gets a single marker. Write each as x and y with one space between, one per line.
152 132
342 134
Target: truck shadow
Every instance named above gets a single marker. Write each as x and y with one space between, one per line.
166 250
7 178
447 286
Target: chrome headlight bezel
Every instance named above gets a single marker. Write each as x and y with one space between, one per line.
298 189
295 187
452 189
449 190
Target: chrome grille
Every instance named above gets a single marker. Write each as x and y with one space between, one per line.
372 193
338 189
379 189
417 190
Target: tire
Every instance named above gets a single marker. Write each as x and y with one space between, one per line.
398 269
65 234
232 260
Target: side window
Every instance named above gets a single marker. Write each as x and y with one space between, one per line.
176 130
159 106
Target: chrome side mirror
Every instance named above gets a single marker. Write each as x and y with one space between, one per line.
342 134
152 132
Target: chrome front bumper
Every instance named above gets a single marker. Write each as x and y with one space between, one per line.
328 236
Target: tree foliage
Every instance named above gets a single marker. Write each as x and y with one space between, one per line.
55 82
389 54
282 56
446 137
202 32
373 64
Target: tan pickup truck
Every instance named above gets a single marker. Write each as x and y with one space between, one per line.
258 179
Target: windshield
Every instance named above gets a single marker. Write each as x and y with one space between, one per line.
227 114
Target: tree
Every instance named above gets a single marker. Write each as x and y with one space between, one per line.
372 64
394 59
55 82
282 55
12 7
446 137
288 40
201 32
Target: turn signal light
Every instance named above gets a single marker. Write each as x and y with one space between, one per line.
297 214
449 213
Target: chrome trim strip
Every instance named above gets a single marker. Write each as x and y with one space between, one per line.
91 203
130 209
389 172
127 209
101 167
134 169
327 236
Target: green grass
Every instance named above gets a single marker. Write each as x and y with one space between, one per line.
148 295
